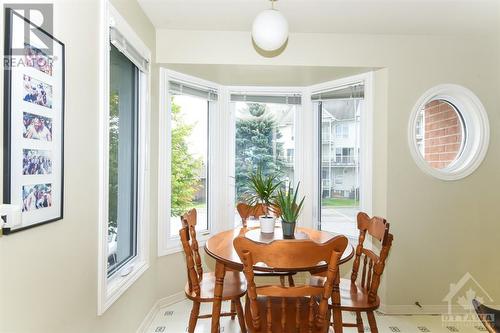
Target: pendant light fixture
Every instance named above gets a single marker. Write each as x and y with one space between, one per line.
270 29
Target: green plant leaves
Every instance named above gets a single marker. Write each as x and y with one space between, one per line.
287 204
262 189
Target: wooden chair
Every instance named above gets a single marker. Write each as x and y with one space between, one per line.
276 308
488 316
200 285
359 294
246 211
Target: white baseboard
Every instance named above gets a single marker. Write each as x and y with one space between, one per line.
159 304
385 309
169 300
415 310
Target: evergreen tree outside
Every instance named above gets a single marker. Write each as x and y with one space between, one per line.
257 144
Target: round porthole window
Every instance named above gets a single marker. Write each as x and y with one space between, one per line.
448 132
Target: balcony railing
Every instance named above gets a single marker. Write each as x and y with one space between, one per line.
340 160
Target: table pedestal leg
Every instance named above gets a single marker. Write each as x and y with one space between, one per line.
220 272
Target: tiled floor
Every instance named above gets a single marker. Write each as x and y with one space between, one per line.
174 319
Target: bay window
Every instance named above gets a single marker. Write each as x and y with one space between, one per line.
212 137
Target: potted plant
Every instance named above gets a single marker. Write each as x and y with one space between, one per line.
262 189
286 202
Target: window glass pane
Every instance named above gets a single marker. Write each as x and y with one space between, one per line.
339 151
440 133
189 139
264 137
122 161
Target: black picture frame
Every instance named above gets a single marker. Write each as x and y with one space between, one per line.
56 207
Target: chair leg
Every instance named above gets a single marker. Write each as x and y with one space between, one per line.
233 310
241 316
282 280
359 322
291 283
337 322
195 311
337 311
372 321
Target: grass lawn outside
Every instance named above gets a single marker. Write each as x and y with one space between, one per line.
198 205
339 202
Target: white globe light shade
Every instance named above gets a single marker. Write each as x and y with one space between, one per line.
270 30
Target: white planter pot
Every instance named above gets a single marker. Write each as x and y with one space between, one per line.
267 224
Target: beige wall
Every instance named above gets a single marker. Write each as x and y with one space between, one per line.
442 229
48 274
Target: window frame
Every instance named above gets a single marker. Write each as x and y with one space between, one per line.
110 288
366 145
167 244
297 137
476 131
135 162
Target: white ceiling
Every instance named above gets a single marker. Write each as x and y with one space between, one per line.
433 17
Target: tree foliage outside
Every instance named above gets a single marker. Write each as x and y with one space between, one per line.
113 162
186 168
257 145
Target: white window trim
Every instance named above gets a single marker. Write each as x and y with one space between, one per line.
166 244
366 144
110 289
477 132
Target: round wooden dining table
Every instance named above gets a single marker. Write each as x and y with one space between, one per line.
220 247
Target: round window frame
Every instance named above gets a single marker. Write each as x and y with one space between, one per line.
476 131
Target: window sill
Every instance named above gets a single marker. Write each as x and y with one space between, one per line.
174 245
170 250
118 284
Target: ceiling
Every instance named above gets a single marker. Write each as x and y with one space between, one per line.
256 75
432 17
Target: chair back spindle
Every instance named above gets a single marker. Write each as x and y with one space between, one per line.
286 255
372 264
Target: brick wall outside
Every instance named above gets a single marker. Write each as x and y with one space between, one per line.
442 135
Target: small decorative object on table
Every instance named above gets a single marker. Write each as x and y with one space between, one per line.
286 202
262 190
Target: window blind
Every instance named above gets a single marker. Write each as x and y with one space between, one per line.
276 99
352 91
180 88
121 43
